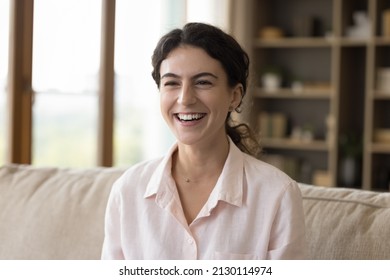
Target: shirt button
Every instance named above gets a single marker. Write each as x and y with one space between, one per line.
190 241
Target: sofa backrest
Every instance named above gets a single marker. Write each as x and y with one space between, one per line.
57 213
52 213
346 223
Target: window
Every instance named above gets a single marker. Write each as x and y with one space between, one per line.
66 78
4 35
66 56
216 12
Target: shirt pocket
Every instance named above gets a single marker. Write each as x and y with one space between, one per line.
234 256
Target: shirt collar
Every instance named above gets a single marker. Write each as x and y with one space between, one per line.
162 175
229 187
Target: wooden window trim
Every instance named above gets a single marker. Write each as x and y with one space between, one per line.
20 95
106 87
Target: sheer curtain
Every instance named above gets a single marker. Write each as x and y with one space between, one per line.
216 12
4 39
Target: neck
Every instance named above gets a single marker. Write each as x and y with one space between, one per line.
194 163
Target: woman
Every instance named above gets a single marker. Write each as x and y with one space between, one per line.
209 197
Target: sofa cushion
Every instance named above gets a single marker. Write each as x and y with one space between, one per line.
346 223
52 213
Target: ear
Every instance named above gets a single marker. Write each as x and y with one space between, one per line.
237 94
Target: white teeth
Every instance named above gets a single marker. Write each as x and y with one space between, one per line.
190 117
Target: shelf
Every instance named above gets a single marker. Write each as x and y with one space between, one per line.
285 143
319 42
380 148
287 93
338 76
382 41
354 42
293 43
380 95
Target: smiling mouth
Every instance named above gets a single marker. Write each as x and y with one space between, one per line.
190 117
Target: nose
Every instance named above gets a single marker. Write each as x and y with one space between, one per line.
186 96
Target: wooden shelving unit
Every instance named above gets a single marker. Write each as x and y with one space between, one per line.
317 48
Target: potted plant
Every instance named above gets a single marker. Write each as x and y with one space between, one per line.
271 78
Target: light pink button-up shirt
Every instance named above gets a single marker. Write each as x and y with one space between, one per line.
254 212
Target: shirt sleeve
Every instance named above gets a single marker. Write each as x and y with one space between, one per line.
288 241
112 249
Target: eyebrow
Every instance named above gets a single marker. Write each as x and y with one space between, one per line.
199 75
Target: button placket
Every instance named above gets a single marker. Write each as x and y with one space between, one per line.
191 246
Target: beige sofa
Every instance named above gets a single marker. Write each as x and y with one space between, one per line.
52 213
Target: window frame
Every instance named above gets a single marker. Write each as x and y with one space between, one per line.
21 95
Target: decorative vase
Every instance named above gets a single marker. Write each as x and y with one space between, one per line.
348 171
271 82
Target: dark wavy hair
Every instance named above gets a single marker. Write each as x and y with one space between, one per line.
235 61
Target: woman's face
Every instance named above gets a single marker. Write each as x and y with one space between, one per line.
195 96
